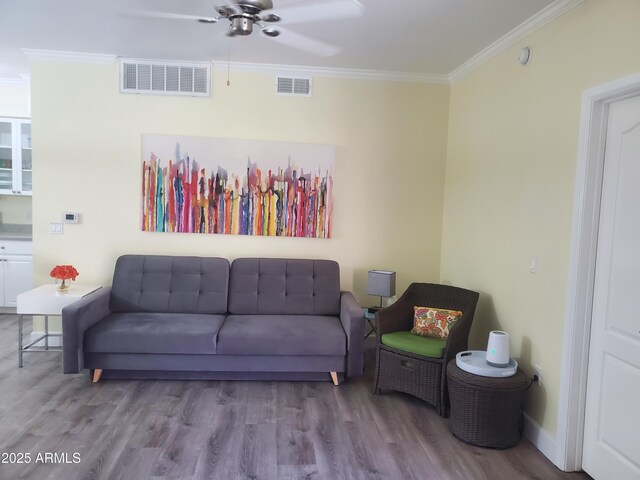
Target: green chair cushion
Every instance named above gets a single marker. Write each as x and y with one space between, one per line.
410 342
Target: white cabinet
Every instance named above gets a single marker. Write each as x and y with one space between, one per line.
16 272
15 156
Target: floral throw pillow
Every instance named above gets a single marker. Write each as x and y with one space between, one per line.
434 322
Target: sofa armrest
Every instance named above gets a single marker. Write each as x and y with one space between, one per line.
76 319
352 319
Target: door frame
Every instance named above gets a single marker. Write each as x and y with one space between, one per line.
584 240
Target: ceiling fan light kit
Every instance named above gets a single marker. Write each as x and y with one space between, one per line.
241 25
244 14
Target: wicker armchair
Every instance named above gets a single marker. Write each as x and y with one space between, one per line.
422 376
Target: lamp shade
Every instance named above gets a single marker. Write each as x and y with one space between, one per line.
381 283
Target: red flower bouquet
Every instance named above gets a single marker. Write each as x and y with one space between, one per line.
64 272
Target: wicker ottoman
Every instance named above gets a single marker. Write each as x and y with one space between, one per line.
486 411
409 373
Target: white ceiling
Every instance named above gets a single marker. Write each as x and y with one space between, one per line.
413 36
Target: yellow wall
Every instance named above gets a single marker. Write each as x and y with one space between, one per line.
511 164
389 174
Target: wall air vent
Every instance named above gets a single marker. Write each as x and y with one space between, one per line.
165 78
299 86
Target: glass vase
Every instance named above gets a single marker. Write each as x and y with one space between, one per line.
63 287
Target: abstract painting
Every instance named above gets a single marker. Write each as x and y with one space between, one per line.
237 187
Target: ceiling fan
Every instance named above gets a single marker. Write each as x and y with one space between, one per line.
243 15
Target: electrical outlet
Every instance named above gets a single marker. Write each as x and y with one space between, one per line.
537 370
29 216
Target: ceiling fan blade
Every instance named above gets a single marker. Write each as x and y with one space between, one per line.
169 15
332 10
306 44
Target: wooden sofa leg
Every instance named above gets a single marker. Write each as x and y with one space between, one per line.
97 373
334 377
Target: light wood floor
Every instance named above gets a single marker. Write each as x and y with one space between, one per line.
227 430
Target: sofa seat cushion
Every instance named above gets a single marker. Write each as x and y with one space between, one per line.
282 335
154 333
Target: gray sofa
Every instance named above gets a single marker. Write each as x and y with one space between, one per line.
199 318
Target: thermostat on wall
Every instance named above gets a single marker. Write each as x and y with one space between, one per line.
70 217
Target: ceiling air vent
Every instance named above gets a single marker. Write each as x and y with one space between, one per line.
164 78
299 86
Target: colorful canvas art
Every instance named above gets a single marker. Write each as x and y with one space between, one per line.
238 187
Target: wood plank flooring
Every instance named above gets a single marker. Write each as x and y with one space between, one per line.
231 430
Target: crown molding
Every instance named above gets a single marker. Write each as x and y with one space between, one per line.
529 26
355 74
68 57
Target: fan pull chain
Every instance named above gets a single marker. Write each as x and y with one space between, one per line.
228 60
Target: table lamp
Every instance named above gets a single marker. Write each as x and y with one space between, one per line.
381 283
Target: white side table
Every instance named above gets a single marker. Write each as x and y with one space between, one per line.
46 300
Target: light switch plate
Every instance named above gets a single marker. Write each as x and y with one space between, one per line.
55 228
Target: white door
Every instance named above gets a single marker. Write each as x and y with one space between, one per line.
18 274
612 416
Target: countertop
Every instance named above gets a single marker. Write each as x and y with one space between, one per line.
11 231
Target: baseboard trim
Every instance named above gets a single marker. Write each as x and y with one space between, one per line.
540 439
53 341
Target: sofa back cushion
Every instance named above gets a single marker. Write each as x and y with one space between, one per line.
278 286
156 283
